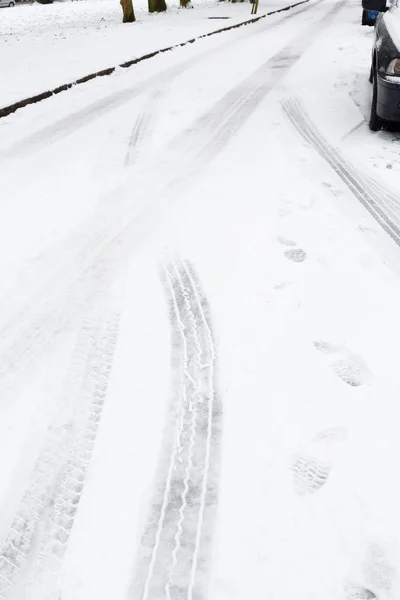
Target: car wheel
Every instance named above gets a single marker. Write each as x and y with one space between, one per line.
375 122
364 18
371 75
11 4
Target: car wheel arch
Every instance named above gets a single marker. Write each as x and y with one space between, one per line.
375 121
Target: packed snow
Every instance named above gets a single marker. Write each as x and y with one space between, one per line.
199 311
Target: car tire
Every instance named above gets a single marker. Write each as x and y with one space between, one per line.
375 122
371 74
11 4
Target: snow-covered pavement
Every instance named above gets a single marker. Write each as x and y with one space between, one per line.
198 307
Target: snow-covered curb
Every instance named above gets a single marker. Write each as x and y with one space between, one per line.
11 108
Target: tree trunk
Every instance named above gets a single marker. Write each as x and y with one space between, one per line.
127 10
157 6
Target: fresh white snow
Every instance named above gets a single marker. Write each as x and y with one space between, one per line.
199 379
46 46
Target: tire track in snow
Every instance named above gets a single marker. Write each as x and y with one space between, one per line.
41 311
33 550
71 123
224 120
173 556
226 116
145 120
143 125
35 324
44 579
382 204
193 409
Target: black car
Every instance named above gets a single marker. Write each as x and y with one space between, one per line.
385 64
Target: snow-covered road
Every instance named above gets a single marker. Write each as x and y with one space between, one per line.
199 327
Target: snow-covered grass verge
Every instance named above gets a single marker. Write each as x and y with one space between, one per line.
43 47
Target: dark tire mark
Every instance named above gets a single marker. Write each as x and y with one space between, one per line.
173 558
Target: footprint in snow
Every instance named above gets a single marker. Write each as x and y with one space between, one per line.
351 371
309 473
359 593
379 572
296 254
347 365
326 347
379 575
285 241
332 435
312 466
291 252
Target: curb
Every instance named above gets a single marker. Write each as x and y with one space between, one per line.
7 110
